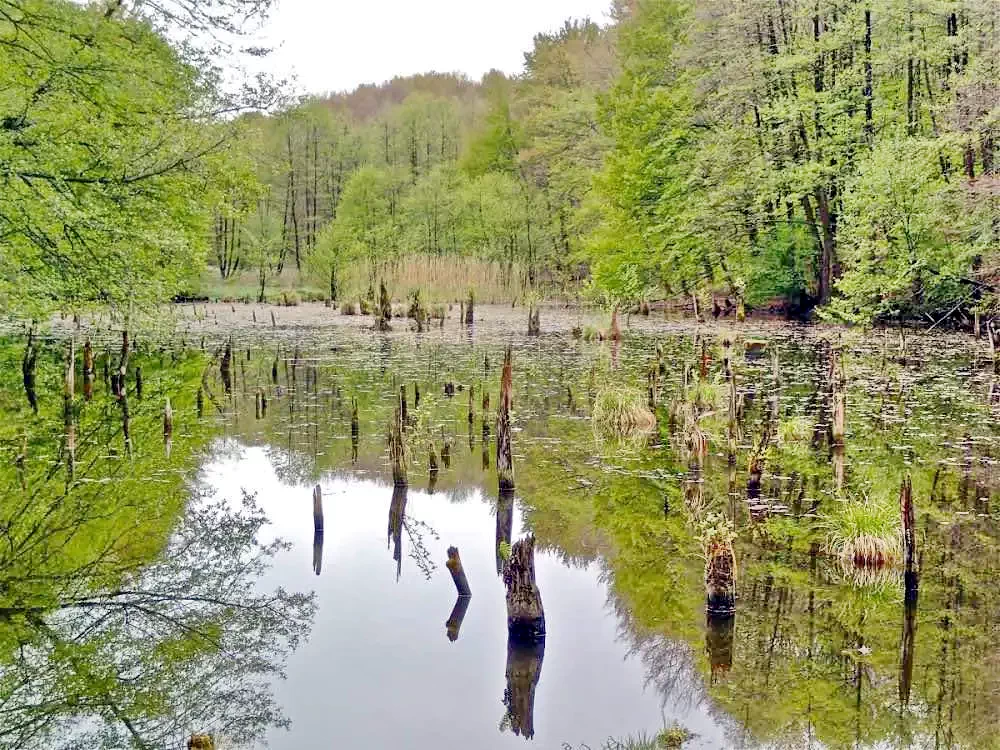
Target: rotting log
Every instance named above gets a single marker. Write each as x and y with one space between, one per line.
318 509
524 668
525 613
454 566
720 578
505 464
454 621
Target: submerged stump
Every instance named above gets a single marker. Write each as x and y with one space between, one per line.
525 614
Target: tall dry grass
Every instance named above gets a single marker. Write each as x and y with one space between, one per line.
439 279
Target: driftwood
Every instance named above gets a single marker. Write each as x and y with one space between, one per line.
525 613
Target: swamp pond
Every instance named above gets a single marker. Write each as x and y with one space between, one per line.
158 583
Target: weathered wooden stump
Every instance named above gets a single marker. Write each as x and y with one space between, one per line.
88 371
720 578
505 464
469 307
454 566
525 614
534 320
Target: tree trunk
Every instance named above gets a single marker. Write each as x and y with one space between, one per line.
454 566
524 668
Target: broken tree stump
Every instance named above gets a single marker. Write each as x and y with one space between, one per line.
469 307
525 614
505 464
720 578
454 566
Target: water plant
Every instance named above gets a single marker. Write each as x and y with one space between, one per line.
622 412
865 533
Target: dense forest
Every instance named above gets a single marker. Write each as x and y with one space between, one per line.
839 156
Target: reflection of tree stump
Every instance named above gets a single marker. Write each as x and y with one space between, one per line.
318 509
719 631
524 667
397 510
225 369
505 524
525 614
907 648
454 622
397 449
907 515
505 465
88 371
317 551
720 579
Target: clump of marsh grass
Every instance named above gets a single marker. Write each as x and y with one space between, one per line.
865 533
672 738
348 308
622 413
794 430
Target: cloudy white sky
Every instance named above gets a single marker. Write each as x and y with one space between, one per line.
334 45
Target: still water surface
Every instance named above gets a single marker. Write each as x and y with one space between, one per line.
140 602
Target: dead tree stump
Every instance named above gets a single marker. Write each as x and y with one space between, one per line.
525 614
720 579
505 464
454 566
469 307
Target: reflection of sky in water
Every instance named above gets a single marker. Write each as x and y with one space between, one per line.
379 670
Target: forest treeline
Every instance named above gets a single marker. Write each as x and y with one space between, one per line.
793 153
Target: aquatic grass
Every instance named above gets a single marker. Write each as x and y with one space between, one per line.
348 308
622 412
794 430
865 533
672 738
